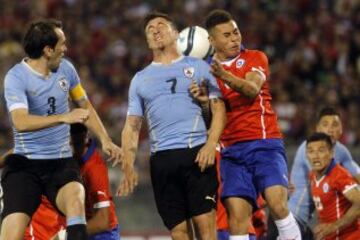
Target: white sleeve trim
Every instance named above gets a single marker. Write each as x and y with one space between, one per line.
258 70
17 106
348 188
102 204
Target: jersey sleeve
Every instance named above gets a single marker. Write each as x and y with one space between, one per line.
344 181
135 107
77 92
98 185
15 92
300 169
259 63
214 91
346 160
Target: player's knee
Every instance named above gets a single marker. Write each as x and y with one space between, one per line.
238 225
279 210
72 199
179 233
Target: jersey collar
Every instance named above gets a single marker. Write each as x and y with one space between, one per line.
33 70
89 151
172 61
330 167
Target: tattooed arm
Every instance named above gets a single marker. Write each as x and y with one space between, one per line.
130 141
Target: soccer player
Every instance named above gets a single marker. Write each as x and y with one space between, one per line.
101 218
334 191
300 203
182 158
253 159
37 91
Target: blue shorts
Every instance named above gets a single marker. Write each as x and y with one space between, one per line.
248 168
224 235
108 235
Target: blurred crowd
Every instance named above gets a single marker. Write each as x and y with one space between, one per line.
313 49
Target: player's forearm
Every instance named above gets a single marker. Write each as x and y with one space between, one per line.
206 113
130 141
218 120
28 122
349 217
240 85
95 125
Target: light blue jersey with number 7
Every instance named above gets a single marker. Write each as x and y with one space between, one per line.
42 96
161 94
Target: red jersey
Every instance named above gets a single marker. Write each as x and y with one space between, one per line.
328 196
45 223
248 119
96 182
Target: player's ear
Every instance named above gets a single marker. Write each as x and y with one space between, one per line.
47 51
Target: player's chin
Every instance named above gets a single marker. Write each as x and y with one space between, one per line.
233 52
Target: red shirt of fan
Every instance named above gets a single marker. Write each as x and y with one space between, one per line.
328 196
248 119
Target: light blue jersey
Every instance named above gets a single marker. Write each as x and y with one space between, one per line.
300 201
161 94
25 88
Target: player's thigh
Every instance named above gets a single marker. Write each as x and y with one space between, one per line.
168 187
237 181
21 188
65 185
270 168
70 199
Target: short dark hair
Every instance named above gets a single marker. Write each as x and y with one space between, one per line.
327 111
156 14
217 17
78 128
318 136
39 35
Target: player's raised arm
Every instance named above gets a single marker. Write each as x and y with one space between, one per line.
250 86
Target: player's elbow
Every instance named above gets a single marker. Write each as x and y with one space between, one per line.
252 92
20 126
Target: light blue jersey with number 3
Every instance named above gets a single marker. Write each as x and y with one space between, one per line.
25 88
161 94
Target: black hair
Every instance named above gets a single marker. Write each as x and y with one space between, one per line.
217 17
318 136
78 128
39 35
327 111
156 14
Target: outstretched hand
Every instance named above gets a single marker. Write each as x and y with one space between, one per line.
114 152
128 182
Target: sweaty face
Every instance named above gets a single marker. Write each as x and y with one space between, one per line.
160 33
226 39
319 155
330 125
58 51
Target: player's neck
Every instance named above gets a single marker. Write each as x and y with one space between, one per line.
39 65
222 57
166 55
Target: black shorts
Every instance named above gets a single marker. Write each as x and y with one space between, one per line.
181 190
23 181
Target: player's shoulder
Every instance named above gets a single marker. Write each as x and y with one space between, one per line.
339 171
254 53
18 70
66 64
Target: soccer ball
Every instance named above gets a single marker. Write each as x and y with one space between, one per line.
193 41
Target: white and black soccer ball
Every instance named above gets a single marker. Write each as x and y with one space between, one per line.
193 41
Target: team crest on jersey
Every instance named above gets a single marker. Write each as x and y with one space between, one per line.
64 85
240 62
325 187
189 72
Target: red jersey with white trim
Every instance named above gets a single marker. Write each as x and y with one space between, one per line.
96 181
45 223
248 119
330 202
